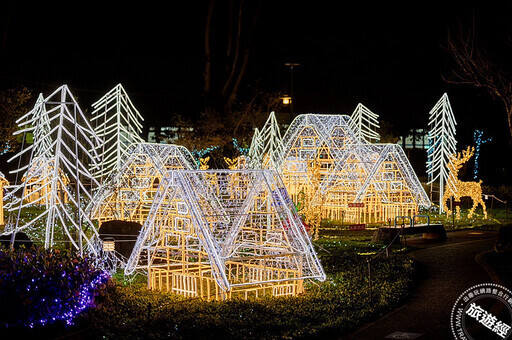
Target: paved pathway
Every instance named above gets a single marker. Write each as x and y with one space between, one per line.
448 269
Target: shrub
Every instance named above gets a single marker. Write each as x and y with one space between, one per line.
39 287
327 309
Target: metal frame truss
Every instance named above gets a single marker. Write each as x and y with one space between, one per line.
218 234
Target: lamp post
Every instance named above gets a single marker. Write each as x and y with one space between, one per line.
291 66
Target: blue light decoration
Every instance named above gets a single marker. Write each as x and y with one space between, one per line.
6 148
479 140
62 310
41 287
202 152
85 299
243 151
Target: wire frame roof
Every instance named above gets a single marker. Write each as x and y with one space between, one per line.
356 163
143 165
234 216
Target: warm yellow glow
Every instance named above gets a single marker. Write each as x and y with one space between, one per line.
232 163
3 182
260 262
204 163
129 195
327 186
286 100
109 245
458 188
313 212
238 163
40 183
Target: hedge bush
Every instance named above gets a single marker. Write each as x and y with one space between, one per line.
331 308
40 287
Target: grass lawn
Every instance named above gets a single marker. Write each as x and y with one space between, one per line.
327 309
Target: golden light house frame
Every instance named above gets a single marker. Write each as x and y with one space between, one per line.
128 193
355 181
220 234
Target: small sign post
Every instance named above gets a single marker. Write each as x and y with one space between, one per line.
359 226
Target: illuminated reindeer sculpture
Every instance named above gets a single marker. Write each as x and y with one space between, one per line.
458 188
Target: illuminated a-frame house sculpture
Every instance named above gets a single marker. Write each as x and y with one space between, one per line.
355 181
218 234
128 193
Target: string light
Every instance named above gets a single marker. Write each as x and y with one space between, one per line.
38 278
6 149
458 188
442 143
198 154
234 228
377 178
477 137
243 151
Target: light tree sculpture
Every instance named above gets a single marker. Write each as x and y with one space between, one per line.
37 173
458 188
267 144
255 148
364 123
118 124
59 153
442 144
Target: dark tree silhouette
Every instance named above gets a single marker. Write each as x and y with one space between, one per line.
13 104
484 65
228 37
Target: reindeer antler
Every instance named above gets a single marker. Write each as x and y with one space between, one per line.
468 153
462 157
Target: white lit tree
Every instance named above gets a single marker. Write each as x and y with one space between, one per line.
57 171
255 149
118 124
267 144
442 143
364 123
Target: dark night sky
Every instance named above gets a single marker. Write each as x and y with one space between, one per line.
386 55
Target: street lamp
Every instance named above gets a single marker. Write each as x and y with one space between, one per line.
290 99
